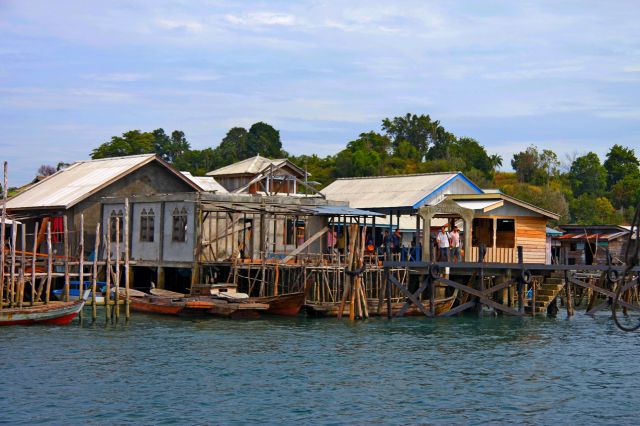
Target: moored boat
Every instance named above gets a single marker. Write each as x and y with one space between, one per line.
331 309
58 313
284 304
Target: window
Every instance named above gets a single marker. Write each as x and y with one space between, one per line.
116 221
179 233
147 225
505 233
290 232
482 232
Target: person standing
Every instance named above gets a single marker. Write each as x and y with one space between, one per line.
396 238
443 244
455 245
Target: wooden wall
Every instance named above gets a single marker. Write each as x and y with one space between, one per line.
531 234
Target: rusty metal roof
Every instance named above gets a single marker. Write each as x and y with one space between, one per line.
82 179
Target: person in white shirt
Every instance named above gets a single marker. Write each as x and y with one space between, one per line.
455 244
443 244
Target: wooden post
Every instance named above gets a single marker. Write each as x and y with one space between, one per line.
12 277
33 264
3 234
94 274
567 289
534 292
127 311
520 284
81 263
116 295
23 262
49 263
66 258
107 269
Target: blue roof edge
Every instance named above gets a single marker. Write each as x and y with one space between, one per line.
457 176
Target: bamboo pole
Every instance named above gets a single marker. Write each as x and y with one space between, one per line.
116 283
127 311
33 264
23 262
81 263
12 277
107 294
66 258
49 263
3 234
94 274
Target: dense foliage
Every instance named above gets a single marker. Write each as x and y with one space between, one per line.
588 192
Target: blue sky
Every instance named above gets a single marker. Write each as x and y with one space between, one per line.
560 75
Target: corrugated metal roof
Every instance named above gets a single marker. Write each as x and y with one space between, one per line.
343 211
78 181
594 237
207 183
386 191
252 166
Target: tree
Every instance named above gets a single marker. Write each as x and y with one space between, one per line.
263 139
418 130
620 162
526 164
474 155
588 209
587 175
548 167
170 148
130 143
626 192
198 162
233 147
46 170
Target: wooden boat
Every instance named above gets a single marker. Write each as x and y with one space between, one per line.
285 304
74 291
58 313
331 309
235 310
168 306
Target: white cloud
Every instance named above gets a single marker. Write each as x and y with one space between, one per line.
190 26
115 77
261 18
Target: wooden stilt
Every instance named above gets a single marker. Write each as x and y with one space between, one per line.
47 293
567 289
23 263
3 235
81 262
66 258
116 282
94 274
107 269
12 270
127 310
33 263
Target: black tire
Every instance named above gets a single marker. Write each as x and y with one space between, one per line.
633 326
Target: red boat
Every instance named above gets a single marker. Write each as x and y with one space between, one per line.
59 313
288 305
169 306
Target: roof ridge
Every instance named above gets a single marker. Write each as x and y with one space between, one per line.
115 158
407 175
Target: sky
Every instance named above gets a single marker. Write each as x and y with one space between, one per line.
560 75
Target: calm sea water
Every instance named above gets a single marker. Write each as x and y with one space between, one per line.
158 370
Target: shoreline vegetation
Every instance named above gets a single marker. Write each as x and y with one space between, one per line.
582 189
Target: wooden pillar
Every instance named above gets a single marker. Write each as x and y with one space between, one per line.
3 234
81 262
160 277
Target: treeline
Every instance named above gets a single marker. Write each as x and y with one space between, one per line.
583 190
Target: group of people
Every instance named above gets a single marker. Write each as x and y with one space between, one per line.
448 244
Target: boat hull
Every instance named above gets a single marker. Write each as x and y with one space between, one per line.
284 305
55 313
332 309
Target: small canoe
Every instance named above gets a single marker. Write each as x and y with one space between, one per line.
243 310
331 309
285 305
58 313
169 306
166 293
